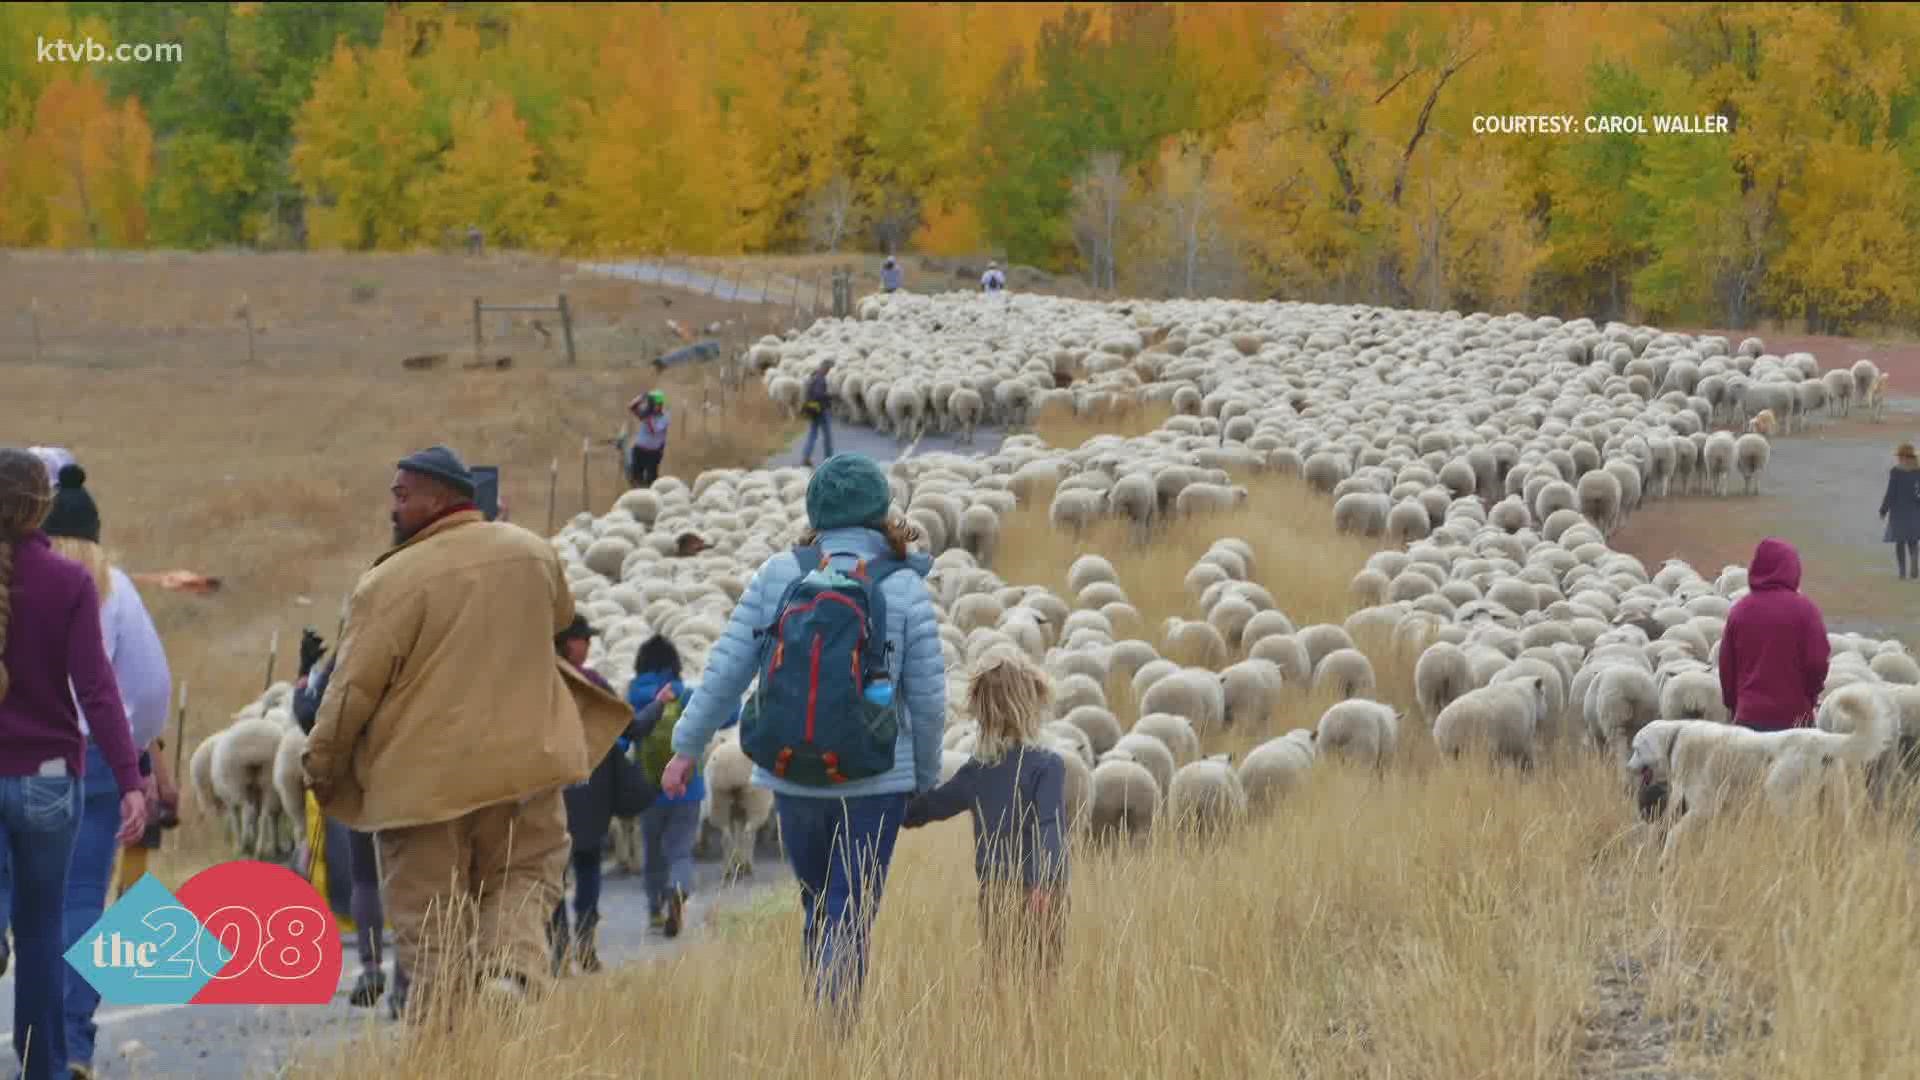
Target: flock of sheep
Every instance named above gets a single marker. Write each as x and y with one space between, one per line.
1490 456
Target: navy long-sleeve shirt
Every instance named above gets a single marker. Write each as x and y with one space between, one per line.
1019 816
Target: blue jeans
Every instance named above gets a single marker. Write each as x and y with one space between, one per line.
38 817
839 850
667 833
821 425
88 876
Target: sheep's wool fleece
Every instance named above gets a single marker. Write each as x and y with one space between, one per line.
847 491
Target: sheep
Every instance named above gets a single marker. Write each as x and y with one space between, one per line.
1150 752
1071 739
1126 798
1101 729
1750 455
1252 689
1174 732
1209 499
1600 494
1195 642
1693 695
1285 652
1719 456
1346 673
1276 768
1440 676
242 771
1619 701
979 533
289 779
1763 423
1194 693
1206 796
1088 569
1502 719
732 804
1075 691
966 408
1321 639
1365 731
200 774
1361 513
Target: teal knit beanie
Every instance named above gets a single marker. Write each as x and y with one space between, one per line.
847 491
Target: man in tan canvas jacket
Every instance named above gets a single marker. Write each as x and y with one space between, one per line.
450 728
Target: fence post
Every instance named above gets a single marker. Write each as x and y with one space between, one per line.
566 327
476 328
246 315
273 652
586 479
553 492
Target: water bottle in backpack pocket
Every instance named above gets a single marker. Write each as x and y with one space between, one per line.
824 713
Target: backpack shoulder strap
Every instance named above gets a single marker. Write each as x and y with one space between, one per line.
877 572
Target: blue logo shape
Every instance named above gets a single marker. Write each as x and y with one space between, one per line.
147 950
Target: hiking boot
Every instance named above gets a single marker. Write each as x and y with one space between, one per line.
586 953
367 989
676 908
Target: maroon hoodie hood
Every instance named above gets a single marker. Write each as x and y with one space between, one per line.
1774 652
1776 565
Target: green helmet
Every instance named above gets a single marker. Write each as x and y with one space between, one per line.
658 398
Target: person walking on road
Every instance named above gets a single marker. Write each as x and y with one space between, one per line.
994 280
890 275
1901 507
838 830
649 443
52 653
1774 651
819 412
140 672
590 809
449 728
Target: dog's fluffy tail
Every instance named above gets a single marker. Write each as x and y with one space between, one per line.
1868 719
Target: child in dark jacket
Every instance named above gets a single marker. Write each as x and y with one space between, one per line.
1015 790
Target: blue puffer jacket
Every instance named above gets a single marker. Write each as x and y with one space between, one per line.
920 681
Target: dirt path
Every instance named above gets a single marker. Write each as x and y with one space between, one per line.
1821 492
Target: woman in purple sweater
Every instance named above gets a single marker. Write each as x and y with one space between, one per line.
51 651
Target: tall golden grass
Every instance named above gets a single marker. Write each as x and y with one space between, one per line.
1436 919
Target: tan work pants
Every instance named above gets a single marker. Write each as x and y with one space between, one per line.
470 898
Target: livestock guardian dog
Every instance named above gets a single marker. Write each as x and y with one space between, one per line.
1704 764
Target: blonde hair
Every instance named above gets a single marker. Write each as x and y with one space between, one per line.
90 555
26 496
1009 696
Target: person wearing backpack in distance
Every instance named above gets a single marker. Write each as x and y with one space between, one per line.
670 825
845 724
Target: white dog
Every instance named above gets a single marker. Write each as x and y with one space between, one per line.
1703 761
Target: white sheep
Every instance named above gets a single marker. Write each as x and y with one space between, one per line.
1194 693
1126 798
1206 796
1750 453
1252 689
1101 729
1345 673
732 804
1150 752
242 770
1176 733
1276 768
1363 731
1502 719
1440 677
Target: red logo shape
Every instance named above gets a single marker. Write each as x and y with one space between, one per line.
284 941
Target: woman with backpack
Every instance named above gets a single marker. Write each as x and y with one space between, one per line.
847 650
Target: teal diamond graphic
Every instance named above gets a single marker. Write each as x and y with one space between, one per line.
147 950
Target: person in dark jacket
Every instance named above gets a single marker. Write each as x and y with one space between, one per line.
1014 789
1774 651
589 818
818 409
1901 507
348 847
890 275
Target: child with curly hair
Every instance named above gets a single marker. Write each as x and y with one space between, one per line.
1015 789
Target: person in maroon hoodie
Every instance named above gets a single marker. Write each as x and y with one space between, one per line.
51 651
1774 652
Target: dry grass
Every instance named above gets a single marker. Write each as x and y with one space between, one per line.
274 479
1438 919
1448 922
